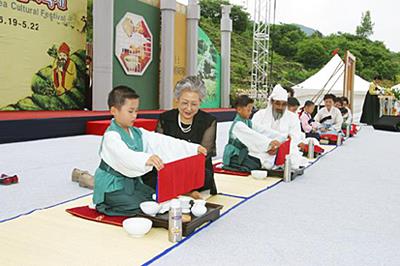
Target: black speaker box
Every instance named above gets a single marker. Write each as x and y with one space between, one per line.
389 123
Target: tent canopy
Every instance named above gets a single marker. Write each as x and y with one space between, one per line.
330 77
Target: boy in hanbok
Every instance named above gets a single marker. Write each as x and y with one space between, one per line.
127 154
293 105
248 149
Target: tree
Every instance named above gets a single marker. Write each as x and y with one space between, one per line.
212 9
311 53
284 39
366 28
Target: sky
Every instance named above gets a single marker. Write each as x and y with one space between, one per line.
339 15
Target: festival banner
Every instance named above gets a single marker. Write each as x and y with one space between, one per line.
180 44
43 54
209 68
136 60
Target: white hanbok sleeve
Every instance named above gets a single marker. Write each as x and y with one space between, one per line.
254 141
318 116
118 156
349 117
338 120
269 132
167 148
295 130
257 118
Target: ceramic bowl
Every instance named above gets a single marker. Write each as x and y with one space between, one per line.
198 210
150 207
137 226
185 202
200 202
259 174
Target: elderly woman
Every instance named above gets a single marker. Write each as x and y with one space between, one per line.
189 123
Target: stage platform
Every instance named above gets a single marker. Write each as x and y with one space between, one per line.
24 125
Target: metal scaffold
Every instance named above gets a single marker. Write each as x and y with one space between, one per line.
260 54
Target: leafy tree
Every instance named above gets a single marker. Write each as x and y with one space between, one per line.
365 29
212 9
297 56
285 38
311 53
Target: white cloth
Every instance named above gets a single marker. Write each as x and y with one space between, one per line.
337 119
131 163
349 119
281 129
278 94
257 143
287 126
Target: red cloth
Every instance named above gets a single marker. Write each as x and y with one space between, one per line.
180 177
86 213
220 170
317 149
100 126
336 51
330 137
283 150
353 130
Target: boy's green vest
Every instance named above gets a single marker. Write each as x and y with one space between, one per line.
106 178
235 147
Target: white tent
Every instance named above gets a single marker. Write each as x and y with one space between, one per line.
396 86
330 79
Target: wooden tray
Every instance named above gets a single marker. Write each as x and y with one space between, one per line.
212 214
279 173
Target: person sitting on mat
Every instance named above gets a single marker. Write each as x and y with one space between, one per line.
293 104
338 103
189 123
127 153
343 110
348 116
329 117
278 123
247 149
308 124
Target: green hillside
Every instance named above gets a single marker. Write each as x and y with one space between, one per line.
296 56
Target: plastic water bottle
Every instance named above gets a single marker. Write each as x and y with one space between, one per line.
175 221
348 131
287 177
339 139
310 149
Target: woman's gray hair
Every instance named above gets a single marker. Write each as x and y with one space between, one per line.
190 83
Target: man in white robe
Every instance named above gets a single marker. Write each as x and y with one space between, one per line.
276 122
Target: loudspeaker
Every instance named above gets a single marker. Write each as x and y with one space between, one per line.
389 123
